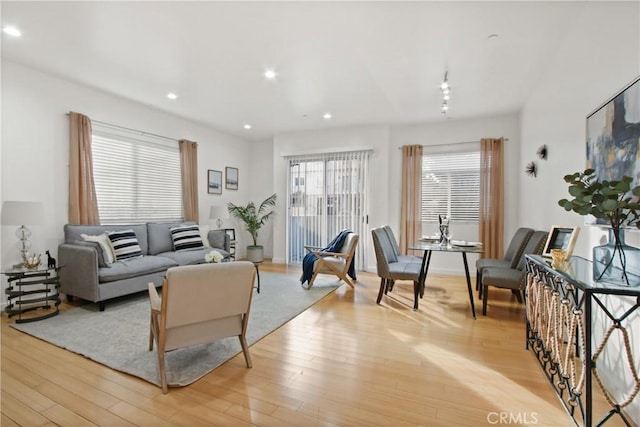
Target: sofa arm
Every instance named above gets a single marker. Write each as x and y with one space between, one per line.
79 277
219 239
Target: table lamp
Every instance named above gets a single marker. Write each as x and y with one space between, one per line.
218 213
21 213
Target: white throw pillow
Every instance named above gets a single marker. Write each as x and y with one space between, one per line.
204 234
105 244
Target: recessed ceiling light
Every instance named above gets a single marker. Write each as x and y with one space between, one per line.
172 96
12 31
247 126
326 116
270 74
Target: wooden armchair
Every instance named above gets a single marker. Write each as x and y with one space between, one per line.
338 263
201 304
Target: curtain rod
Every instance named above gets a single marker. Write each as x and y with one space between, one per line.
451 143
132 130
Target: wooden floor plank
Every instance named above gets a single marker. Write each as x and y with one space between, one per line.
346 361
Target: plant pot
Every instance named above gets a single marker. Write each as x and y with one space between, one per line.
255 253
615 262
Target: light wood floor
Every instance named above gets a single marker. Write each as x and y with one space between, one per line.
345 361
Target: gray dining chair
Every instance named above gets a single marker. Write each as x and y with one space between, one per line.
390 268
512 278
510 259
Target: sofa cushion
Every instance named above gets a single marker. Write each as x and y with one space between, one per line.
133 267
102 257
191 257
204 235
104 245
125 244
73 232
160 235
186 237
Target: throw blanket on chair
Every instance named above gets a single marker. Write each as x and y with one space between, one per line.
334 246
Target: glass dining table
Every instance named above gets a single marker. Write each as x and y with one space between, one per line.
428 247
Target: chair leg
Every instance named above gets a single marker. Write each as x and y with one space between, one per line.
485 294
416 294
310 284
383 288
390 284
479 283
163 372
245 351
151 332
518 295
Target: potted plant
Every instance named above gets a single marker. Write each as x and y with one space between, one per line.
253 219
616 203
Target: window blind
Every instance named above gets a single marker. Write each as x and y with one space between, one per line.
326 194
451 186
137 177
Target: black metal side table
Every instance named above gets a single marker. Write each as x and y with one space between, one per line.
32 289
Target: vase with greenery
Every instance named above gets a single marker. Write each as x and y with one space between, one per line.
254 217
618 204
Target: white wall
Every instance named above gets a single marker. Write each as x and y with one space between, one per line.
35 147
599 57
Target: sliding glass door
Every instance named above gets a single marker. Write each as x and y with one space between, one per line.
326 194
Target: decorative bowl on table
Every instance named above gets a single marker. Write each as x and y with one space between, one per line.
31 261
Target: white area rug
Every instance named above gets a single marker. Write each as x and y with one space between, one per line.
119 336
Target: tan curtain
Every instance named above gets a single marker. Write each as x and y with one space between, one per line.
83 204
189 170
411 203
491 221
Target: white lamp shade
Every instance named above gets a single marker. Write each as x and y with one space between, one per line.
218 212
22 213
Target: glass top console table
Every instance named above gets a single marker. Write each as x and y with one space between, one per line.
561 306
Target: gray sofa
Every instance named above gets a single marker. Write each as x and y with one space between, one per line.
87 275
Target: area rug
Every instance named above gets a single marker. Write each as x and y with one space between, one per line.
119 336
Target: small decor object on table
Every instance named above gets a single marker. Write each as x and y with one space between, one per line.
213 257
31 261
51 261
445 234
618 204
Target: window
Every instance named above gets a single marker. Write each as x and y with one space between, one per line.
137 176
327 193
451 186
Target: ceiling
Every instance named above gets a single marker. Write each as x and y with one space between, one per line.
364 62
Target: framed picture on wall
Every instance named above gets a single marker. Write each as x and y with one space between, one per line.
214 182
232 178
561 238
613 138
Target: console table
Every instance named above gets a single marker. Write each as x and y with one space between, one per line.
32 289
561 304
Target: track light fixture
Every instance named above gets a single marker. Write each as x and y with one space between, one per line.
446 93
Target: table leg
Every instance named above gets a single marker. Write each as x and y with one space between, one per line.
466 272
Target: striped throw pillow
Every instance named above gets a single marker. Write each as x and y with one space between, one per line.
125 244
186 237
